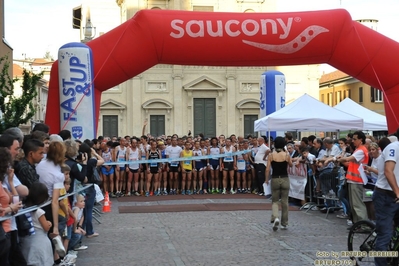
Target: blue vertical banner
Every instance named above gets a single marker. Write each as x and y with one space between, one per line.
77 104
272 96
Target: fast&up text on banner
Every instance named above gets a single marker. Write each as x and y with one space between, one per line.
77 110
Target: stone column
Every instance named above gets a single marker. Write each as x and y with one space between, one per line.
135 113
177 119
230 105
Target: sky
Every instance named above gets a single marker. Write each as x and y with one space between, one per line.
34 27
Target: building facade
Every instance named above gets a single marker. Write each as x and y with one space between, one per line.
336 86
5 48
204 99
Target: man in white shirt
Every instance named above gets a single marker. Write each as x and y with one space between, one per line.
260 163
326 165
385 197
173 151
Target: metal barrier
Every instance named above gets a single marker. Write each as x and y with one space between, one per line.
35 207
330 184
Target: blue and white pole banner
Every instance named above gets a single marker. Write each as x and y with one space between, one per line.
169 160
77 101
272 96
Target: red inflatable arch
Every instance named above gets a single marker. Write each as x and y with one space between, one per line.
240 39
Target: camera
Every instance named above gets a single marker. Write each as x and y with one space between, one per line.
80 156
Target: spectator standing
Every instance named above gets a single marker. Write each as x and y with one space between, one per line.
289 138
94 161
279 160
385 197
41 127
260 163
78 166
325 167
6 208
36 248
371 171
65 134
319 152
312 148
12 141
50 174
26 168
291 150
343 188
43 137
355 182
76 238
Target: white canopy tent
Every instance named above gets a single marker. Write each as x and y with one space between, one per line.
372 120
308 114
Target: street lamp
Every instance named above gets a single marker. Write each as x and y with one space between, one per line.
89 31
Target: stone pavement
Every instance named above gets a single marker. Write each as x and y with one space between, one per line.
210 237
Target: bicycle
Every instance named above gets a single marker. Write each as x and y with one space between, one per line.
361 244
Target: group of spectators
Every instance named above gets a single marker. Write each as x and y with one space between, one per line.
325 156
39 169
368 166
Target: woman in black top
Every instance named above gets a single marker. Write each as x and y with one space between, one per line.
278 161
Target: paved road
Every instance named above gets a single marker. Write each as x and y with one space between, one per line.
211 238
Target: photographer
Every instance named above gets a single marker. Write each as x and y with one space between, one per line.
93 161
78 164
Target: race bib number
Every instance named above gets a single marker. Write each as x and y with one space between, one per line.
241 165
229 158
134 165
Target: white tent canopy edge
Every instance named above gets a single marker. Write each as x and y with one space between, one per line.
309 114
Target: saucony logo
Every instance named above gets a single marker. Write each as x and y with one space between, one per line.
293 46
232 27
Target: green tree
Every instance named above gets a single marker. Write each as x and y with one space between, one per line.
16 110
48 56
